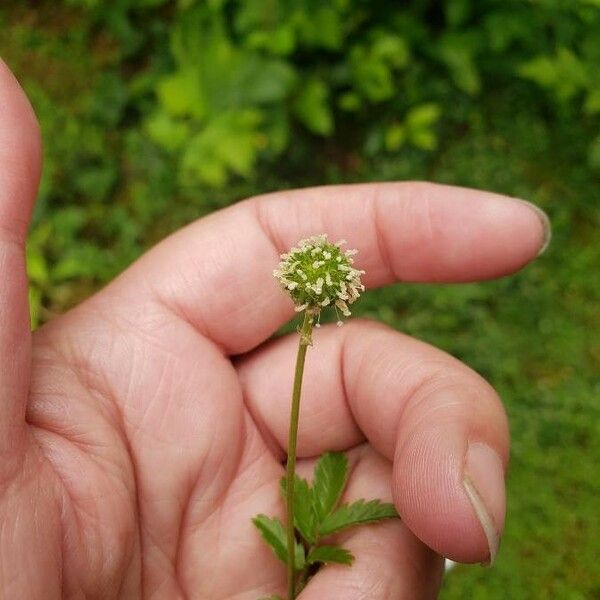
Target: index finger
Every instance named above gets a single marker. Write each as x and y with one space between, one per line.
216 273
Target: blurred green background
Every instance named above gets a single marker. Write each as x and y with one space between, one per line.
156 112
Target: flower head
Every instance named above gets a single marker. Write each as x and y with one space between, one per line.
317 273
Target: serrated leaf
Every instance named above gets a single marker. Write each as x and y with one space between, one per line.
274 533
357 513
304 513
331 472
330 554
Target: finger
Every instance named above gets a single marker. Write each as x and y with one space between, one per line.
216 273
390 562
19 176
440 422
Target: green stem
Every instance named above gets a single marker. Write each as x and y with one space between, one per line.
305 342
303 577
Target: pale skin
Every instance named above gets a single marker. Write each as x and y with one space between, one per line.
141 431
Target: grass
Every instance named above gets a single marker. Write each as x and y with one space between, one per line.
535 336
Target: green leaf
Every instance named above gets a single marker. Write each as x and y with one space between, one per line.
274 533
330 554
565 73
423 115
180 94
594 154
166 131
304 512
331 472
458 52
312 107
229 143
357 513
426 140
264 81
271 598
592 102
395 135
215 74
391 49
371 75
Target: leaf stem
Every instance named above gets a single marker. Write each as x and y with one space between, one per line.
303 576
305 342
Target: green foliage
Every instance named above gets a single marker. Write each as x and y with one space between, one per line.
305 519
316 517
331 472
330 554
274 533
357 513
232 59
564 73
311 107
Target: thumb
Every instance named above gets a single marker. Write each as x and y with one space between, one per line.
20 159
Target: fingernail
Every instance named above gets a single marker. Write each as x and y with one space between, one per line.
546 225
483 481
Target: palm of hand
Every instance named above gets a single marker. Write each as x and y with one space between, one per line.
143 438
143 455
143 430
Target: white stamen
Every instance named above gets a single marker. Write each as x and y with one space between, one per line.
343 307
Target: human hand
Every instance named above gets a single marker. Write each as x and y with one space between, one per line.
141 431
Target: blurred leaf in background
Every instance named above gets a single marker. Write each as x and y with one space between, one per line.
156 112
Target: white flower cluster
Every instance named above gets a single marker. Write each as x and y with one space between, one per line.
317 273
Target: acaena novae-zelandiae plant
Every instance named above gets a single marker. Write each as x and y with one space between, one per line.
317 274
